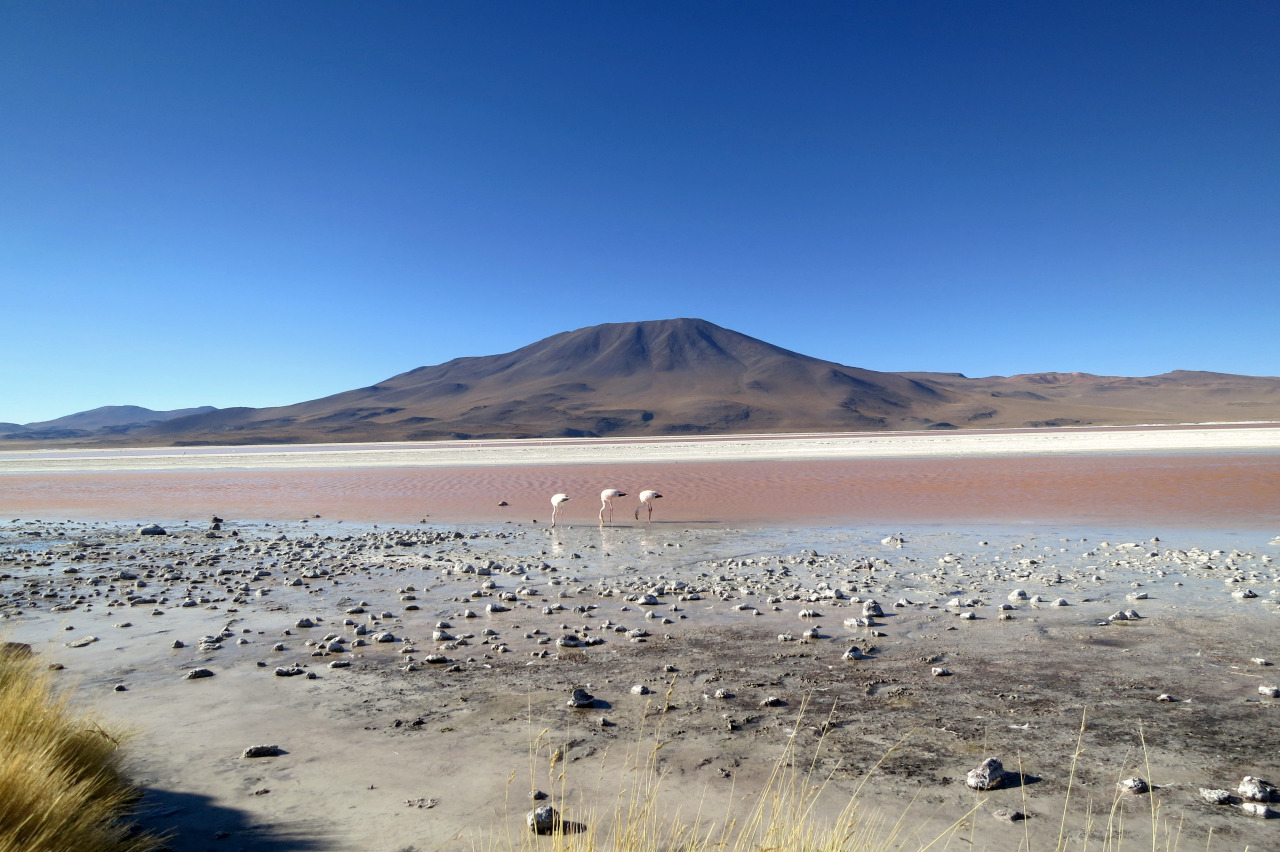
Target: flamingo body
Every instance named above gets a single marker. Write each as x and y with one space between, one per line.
556 501
646 501
606 502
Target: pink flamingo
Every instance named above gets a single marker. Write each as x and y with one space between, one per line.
557 500
646 500
606 502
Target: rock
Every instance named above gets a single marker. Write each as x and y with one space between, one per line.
261 751
14 650
1215 797
1255 789
304 622
385 636
989 775
543 820
854 653
340 664
152 529
82 642
772 701
640 689
1018 595
1269 691
871 609
196 674
289 671
581 699
939 671
1134 786
1008 815
1257 809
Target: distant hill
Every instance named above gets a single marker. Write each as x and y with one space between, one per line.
109 420
691 377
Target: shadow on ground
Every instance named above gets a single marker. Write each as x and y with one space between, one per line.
193 823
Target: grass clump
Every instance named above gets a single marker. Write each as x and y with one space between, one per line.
60 788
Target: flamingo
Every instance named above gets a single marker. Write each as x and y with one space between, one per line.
556 501
606 502
646 499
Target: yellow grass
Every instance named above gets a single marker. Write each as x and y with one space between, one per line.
792 813
60 790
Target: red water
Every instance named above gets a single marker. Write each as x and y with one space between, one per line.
1239 490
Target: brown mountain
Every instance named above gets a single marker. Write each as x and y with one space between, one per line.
688 376
669 377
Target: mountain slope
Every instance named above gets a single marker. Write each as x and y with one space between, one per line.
668 377
683 377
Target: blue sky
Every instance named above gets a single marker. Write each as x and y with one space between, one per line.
246 203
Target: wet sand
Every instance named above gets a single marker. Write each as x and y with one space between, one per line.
1238 490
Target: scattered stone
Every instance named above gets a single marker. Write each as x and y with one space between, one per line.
82 642
196 674
772 701
1257 809
1134 786
543 820
1008 815
152 529
581 699
14 650
262 751
1256 790
1215 797
989 775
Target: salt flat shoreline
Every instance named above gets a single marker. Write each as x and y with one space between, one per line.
404 673
812 447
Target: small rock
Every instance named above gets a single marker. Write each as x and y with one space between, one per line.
640 689
152 529
1257 809
989 775
581 699
1215 797
1135 786
772 701
261 751
543 820
1255 789
196 674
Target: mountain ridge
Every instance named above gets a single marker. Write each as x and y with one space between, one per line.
688 376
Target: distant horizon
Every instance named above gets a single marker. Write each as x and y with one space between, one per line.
420 366
244 204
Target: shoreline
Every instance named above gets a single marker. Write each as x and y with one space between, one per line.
741 631
1221 438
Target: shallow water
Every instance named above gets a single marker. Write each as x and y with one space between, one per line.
1193 490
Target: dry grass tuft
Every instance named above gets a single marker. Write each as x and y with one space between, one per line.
60 790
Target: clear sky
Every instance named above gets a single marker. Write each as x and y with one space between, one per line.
257 203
